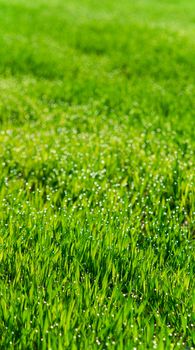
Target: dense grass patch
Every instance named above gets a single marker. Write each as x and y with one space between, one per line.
97 197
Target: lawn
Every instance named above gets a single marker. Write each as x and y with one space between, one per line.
97 181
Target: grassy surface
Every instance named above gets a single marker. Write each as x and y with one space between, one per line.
97 197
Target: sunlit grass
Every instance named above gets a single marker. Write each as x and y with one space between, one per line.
97 174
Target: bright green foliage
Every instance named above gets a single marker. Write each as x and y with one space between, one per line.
97 197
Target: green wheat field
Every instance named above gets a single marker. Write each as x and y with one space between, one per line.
97 180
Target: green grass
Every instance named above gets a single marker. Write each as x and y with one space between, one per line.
97 195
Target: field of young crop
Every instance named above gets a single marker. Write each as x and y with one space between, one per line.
97 181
